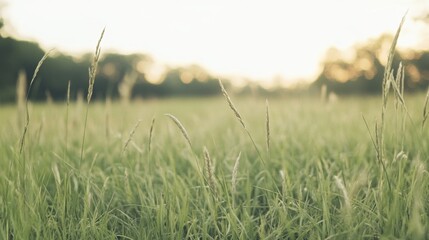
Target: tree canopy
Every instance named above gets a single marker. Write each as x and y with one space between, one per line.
133 76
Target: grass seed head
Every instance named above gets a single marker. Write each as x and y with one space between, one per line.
231 105
151 133
342 187
235 174
181 127
131 135
210 172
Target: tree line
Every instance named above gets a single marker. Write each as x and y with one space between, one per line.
126 76
139 76
362 73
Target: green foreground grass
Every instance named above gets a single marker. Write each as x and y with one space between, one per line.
320 177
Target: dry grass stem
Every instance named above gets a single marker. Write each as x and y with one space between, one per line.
240 119
151 133
130 137
91 82
235 174
342 187
210 172
231 105
388 81
93 68
67 116
27 122
181 127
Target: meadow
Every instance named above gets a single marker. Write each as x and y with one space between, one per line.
217 168
316 175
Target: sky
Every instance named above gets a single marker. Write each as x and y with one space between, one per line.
261 40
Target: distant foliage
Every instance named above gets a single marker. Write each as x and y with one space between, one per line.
113 76
363 74
137 75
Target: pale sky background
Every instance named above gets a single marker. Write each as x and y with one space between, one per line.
260 40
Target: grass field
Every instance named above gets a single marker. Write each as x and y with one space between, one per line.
320 177
217 168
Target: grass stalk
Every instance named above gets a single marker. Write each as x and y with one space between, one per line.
151 134
27 114
235 174
240 119
67 120
425 109
210 176
181 128
387 83
130 137
91 82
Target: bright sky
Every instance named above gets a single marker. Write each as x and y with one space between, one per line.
255 39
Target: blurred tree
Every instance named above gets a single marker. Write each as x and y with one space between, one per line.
57 70
363 73
16 56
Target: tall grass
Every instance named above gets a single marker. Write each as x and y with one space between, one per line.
328 184
425 109
151 134
27 114
130 137
91 82
67 121
388 82
267 127
239 118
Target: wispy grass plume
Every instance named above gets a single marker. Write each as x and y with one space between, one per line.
231 105
388 81
398 88
130 137
210 172
239 118
27 121
347 203
342 187
181 128
151 133
235 174
91 82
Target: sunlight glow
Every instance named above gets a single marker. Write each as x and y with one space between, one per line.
258 40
